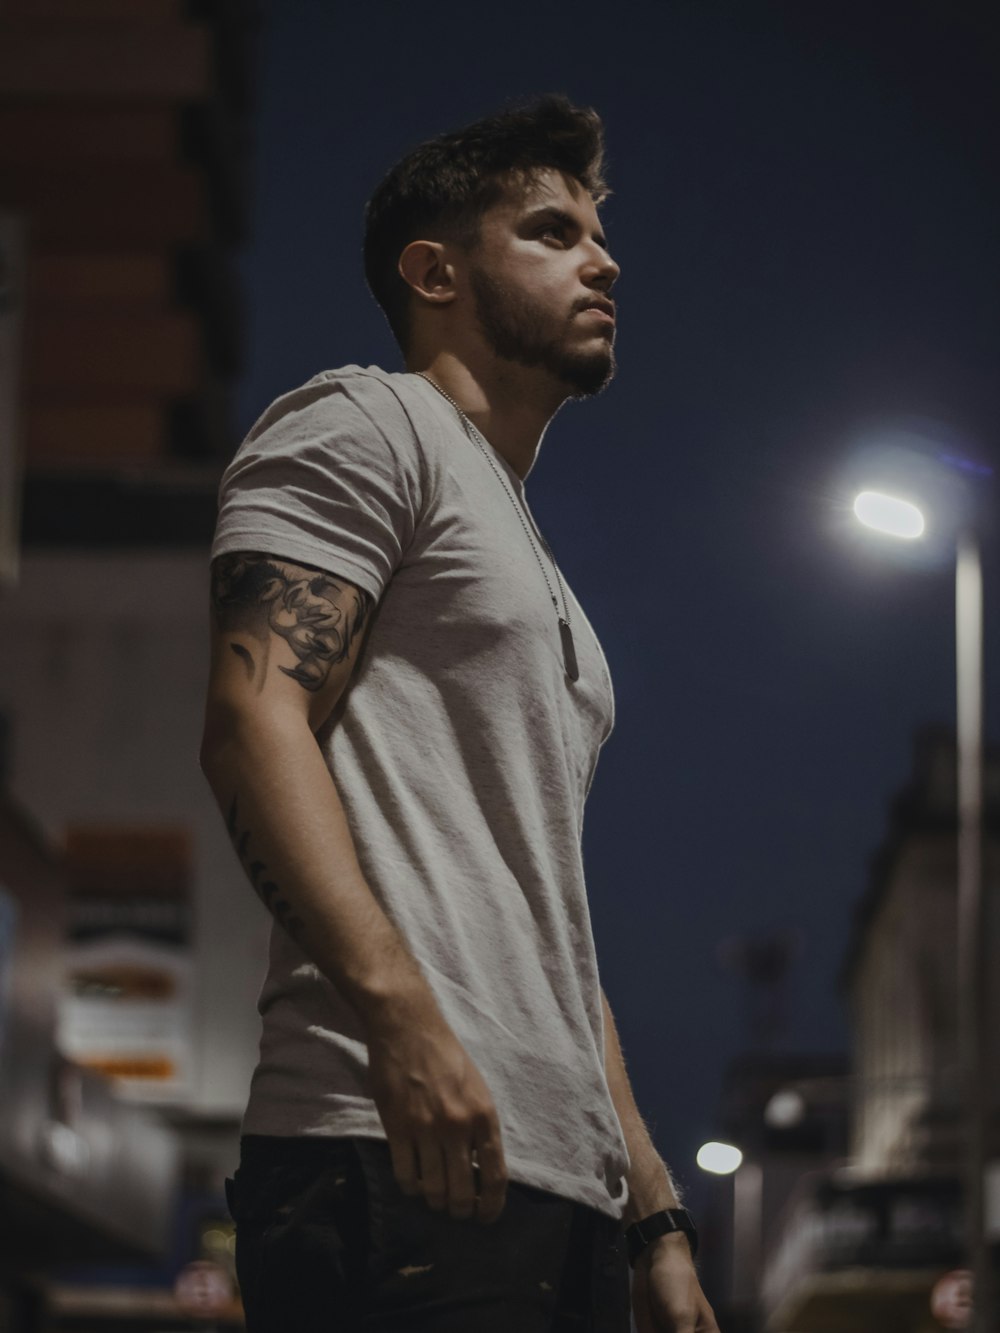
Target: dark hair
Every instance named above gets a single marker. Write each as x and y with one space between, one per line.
442 188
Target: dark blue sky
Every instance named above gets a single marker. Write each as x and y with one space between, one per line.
806 226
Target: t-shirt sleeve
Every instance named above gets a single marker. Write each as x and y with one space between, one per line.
330 475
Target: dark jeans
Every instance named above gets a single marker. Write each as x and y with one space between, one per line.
327 1242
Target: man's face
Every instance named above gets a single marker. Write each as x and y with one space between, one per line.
541 262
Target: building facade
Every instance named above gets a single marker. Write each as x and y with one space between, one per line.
864 1248
125 177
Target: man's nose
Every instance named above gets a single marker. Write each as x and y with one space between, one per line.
605 268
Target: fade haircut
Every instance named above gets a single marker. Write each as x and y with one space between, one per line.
441 189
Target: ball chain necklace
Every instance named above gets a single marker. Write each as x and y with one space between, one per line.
565 633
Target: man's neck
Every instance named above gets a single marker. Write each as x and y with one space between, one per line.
510 405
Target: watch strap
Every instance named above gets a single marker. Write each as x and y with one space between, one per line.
640 1234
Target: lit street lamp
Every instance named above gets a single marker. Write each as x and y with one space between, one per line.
723 1159
886 513
900 518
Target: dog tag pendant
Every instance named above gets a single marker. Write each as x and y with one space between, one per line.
569 650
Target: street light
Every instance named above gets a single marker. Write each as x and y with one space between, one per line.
724 1159
888 514
901 518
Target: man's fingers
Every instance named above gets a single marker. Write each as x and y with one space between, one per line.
492 1183
461 1187
404 1165
433 1180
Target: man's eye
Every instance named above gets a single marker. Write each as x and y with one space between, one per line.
554 229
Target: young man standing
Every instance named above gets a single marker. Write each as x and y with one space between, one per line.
404 716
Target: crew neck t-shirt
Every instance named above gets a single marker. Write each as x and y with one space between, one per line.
463 755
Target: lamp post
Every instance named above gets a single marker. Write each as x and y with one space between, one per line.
971 933
899 518
723 1159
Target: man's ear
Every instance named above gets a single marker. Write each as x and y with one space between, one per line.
423 265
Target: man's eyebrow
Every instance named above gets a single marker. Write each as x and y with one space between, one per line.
567 219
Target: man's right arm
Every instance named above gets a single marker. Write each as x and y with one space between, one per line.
285 639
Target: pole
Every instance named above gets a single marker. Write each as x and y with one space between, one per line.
971 924
748 1185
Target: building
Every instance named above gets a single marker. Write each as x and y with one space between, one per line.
861 1248
125 172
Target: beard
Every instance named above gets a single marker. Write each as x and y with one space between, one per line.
519 331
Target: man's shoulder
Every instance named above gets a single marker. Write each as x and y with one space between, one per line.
361 377
371 385
344 396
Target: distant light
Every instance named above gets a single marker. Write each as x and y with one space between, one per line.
721 1158
785 1110
886 513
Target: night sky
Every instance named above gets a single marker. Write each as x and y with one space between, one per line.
806 219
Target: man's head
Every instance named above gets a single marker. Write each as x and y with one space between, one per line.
490 236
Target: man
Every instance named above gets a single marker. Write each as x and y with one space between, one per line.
404 715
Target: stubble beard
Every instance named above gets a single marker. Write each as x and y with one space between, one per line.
518 331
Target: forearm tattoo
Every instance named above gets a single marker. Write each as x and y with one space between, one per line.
265 888
317 617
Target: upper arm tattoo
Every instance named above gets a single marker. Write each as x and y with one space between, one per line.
317 617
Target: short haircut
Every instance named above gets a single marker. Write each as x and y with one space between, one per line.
441 189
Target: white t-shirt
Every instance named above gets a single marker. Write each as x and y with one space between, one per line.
462 754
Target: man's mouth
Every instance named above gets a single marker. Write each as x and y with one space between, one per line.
603 308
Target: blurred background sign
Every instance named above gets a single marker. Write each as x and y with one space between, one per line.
203 1289
951 1299
126 1003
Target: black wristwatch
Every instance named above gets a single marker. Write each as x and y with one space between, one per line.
639 1234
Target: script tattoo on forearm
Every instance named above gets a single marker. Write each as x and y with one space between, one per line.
317 617
265 888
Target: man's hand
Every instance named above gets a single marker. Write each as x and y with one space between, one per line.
438 1115
666 1294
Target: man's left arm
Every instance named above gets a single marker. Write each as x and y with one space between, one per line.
666 1294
